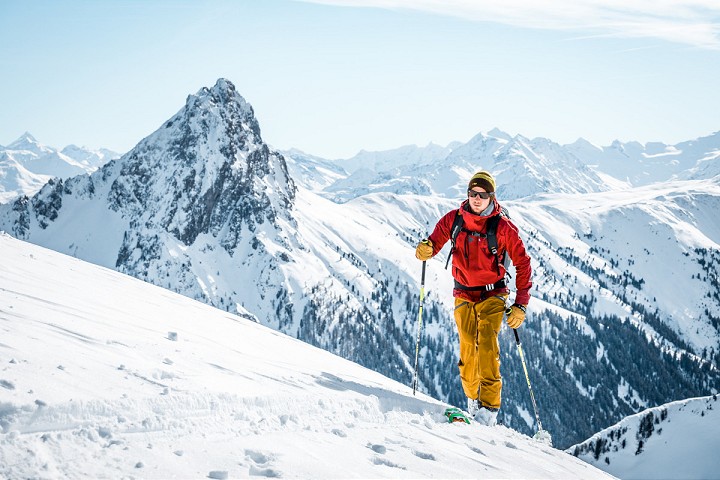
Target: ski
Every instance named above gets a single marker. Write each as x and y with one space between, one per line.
454 414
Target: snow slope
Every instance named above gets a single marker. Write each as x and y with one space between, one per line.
652 234
105 376
677 440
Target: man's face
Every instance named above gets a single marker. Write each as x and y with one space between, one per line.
477 203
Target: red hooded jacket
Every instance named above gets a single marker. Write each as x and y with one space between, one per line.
474 265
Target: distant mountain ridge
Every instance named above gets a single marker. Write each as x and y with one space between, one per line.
382 161
523 167
26 165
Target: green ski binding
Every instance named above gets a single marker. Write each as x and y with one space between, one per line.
454 414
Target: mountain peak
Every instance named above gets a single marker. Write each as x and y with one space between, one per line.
583 143
223 85
25 140
224 99
497 133
206 171
223 92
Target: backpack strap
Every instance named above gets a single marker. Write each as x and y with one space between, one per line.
491 233
492 240
454 230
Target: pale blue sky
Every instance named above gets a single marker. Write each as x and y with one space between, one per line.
331 79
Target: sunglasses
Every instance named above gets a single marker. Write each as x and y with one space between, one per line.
483 195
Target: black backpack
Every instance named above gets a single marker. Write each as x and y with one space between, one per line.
490 234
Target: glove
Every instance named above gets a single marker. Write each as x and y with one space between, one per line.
424 250
515 315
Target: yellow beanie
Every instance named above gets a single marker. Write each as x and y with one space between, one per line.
483 180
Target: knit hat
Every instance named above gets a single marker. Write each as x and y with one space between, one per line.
483 180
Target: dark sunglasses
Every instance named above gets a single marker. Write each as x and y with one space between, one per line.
483 195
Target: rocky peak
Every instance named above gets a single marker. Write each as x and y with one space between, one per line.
224 100
206 170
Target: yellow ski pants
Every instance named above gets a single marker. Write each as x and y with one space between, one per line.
478 325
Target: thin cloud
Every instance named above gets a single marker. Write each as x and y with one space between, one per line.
690 22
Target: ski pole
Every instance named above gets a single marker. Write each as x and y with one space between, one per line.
419 327
527 377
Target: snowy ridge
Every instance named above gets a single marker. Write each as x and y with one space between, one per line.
311 172
191 391
523 167
388 160
26 165
17 180
673 441
91 159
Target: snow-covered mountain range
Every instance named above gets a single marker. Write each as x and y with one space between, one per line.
677 440
26 165
523 167
408 155
104 376
625 313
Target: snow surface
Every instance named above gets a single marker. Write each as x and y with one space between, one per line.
105 376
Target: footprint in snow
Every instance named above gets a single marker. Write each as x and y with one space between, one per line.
387 463
476 450
381 449
6 384
423 455
257 457
260 464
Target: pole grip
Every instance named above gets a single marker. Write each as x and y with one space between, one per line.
508 311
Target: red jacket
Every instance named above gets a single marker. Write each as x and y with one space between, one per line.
473 265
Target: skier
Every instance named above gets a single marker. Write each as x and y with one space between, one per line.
481 288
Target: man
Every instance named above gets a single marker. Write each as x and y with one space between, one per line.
481 290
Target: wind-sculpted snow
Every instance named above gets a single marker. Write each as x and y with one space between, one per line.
104 376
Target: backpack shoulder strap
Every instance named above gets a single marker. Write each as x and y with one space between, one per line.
457 226
491 231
